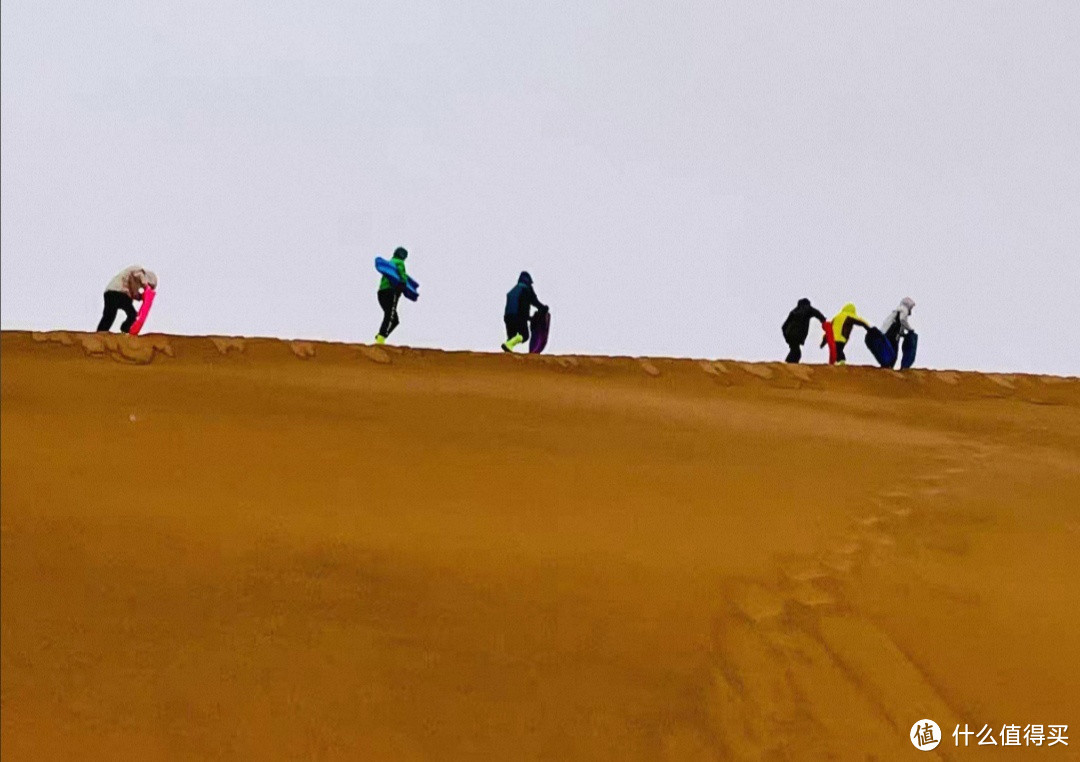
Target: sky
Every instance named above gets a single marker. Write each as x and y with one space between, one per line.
675 176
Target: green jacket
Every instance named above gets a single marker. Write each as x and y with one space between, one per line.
400 265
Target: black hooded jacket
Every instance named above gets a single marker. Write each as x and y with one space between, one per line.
521 297
797 325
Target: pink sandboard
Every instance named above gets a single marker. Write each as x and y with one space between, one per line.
144 310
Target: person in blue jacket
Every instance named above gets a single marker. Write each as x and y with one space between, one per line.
519 302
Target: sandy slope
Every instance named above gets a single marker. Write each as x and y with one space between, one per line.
260 549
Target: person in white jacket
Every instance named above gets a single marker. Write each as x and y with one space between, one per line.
898 323
126 288
897 327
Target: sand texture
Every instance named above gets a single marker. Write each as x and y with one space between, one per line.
216 547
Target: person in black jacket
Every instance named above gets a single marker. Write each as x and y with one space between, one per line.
519 302
797 326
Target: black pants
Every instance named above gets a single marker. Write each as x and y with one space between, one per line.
795 354
388 299
114 302
840 351
516 324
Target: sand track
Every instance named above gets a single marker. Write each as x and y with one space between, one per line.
253 548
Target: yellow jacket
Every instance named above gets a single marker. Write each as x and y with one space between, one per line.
841 323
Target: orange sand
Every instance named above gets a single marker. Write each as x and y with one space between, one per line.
259 549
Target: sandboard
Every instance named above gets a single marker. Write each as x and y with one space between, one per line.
910 345
411 291
539 325
144 311
880 347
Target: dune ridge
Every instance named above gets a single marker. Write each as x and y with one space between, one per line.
260 548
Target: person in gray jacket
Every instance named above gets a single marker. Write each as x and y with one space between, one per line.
898 323
126 288
897 328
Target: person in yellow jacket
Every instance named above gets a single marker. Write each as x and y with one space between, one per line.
838 331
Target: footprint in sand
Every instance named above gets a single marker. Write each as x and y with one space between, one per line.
375 354
757 603
55 337
137 350
302 349
713 368
648 367
226 344
811 596
761 371
879 539
802 569
801 372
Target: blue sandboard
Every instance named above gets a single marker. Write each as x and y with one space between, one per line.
911 343
539 325
880 347
411 291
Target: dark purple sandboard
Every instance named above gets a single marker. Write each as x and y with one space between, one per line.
538 327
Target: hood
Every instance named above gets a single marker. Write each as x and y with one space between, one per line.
908 302
525 278
400 253
804 303
848 310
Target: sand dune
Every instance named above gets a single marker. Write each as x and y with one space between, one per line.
263 549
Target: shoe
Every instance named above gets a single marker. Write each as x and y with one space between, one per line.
380 339
505 348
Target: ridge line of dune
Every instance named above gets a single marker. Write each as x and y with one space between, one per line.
725 372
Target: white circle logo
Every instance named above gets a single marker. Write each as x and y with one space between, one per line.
925 735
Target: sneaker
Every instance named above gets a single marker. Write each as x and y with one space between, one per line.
380 339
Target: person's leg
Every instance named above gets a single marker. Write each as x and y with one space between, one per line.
108 315
795 354
386 302
516 332
128 306
840 358
393 311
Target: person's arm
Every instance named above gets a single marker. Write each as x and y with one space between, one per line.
815 312
136 284
400 264
536 302
904 322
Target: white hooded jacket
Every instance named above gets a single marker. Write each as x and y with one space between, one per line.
901 314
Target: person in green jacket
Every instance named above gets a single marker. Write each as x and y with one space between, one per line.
389 294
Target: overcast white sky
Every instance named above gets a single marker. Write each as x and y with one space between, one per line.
674 175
